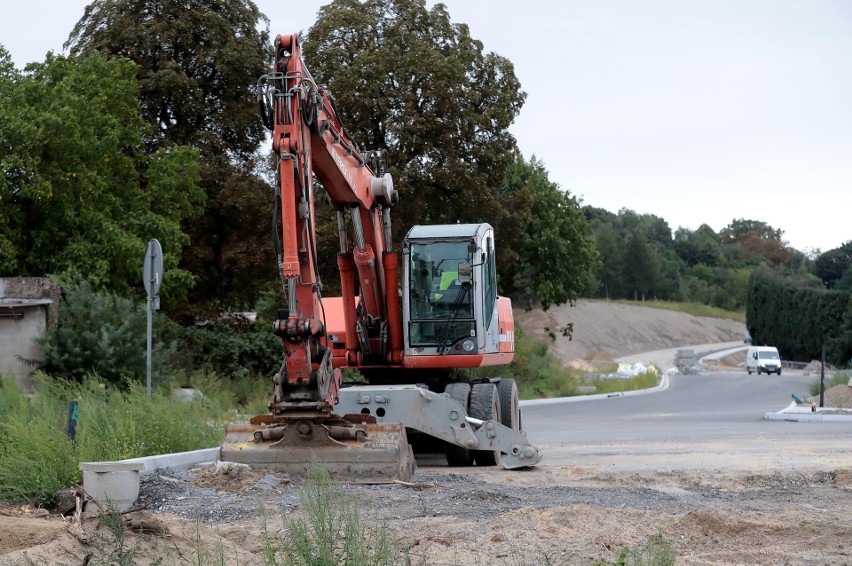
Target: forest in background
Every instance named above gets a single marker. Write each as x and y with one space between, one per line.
149 129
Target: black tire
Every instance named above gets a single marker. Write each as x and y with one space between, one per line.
458 456
748 369
510 410
485 405
779 371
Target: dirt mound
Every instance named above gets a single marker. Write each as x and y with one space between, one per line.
52 539
616 330
839 396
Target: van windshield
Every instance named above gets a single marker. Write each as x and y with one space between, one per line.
768 355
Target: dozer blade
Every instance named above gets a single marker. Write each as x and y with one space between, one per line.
361 453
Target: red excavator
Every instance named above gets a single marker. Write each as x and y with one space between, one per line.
406 333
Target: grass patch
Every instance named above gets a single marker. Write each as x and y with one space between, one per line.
837 378
616 385
694 309
114 423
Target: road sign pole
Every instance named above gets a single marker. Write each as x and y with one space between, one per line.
150 330
822 379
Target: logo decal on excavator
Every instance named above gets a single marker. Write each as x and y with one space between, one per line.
344 170
508 337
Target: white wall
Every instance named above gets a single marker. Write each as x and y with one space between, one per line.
17 341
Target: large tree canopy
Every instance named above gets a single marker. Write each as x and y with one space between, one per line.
78 193
198 61
408 80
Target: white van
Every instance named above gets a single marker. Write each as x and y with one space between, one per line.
763 358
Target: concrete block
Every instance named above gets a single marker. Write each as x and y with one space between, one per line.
116 483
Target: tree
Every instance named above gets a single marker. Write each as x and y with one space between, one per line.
555 250
757 240
641 267
740 228
700 246
407 80
611 265
197 62
830 266
78 193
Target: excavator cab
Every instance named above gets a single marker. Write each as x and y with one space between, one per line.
451 315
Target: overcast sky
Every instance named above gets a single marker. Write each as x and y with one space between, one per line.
698 111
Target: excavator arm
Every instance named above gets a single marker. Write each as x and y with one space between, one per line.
309 139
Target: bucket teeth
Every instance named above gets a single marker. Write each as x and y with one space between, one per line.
352 453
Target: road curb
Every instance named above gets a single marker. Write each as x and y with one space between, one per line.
797 413
183 460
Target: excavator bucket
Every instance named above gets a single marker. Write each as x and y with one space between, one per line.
365 453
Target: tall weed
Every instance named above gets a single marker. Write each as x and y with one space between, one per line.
37 458
331 531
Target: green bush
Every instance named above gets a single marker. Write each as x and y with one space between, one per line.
104 334
656 551
233 349
101 333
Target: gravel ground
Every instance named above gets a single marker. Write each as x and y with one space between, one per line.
432 493
487 515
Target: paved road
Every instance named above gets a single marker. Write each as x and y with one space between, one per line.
709 421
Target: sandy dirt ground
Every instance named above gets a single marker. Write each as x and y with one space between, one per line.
481 516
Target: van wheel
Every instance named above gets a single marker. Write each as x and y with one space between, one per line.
779 371
748 369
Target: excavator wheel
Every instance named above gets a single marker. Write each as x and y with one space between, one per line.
485 405
510 410
458 456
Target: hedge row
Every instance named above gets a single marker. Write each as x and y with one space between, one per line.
799 318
